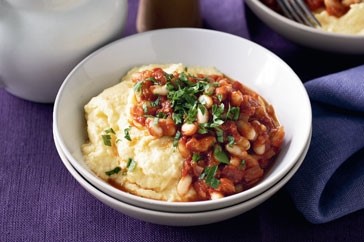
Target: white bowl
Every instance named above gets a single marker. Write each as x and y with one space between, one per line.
180 219
239 58
307 36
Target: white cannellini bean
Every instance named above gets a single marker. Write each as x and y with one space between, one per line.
236 98
206 100
216 195
202 117
184 185
243 143
235 161
259 149
189 129
247 130
159 90
153 128
258 126
234 150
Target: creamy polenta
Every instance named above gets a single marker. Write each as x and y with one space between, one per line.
174 133
350 23
158 165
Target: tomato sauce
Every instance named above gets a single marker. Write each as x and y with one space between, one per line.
226 133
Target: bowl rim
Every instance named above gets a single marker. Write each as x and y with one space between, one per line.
165 205
183 219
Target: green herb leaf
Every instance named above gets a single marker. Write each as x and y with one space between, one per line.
109 131
177 118
169 77
202 108
196 157
219 135
156 102
131 164
152 79
116 170
145 107
162 115
176 138
214 183
242 164
231 140
233 113
220 155
138 86
192 114
217 111
183 77
209 176
203 128
106 138
127 134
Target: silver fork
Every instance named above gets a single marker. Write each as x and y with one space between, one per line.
297 10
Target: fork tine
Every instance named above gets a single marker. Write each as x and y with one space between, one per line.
297 10
308 13
288 11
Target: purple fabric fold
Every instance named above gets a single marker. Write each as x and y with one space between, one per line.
330 182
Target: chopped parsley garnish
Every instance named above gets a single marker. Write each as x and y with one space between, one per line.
127 134
183 77
152 79
156 102
220 155
203 128
131 164
162 115
138 86
106 138
231 140
109 131
217 113
176 138
145 108
242 164
233 113
191 115
177 118
219 135
196 157
183 96
209 176
116 170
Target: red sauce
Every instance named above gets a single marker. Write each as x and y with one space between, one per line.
335 8
226 133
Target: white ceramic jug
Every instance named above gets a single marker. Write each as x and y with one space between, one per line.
42 40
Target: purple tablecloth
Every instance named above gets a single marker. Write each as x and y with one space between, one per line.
41 201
